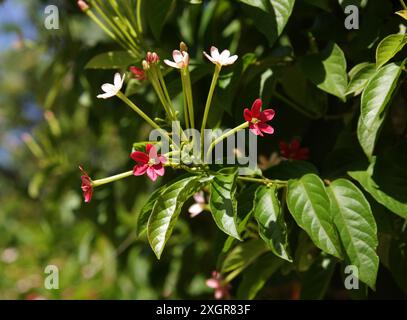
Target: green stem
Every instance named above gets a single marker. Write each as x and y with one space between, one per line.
263 180
224 136
165 90
208 106
403 5
97 183
184 95
189 98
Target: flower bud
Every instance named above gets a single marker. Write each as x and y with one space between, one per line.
83 5
152 57
183 46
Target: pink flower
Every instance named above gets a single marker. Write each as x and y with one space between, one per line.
217 283
181 60
152 57
87 187
138 73
221 59
257 118
150 163
199 205
293 150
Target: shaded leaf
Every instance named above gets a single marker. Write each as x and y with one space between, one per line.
389 47
112 60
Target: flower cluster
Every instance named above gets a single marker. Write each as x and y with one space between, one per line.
220 287
151 162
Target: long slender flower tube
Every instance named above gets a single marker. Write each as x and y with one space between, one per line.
220 60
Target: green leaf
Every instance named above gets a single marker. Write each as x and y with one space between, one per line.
366 181
243 255
270 16
316 280
357 228
272 227
375 99
327 70
145 212
166 210
359 77
112 60
402 13
157 12
223 202
389 47
256 276
309 204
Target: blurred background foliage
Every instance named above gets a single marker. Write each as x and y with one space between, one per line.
51 122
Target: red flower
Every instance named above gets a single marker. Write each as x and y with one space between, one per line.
86 186
217 283
152 57
149 162
293 150
138 73
258 118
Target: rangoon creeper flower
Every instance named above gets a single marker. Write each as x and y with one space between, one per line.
138 73
152 57
293 150
257 119
149 162
199 205
181 60
87 187
217 283
112 89
221 59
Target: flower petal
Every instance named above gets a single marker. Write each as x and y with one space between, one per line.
106 95
212 283
159 169
256 107
231 60
255 129
199 197
151 173
267 115
118 81
162 159
266 128
247 114
209 57
177 56
140 169
108 87
140 157
224 56
215 53
171 64
295 145
151 151
195 209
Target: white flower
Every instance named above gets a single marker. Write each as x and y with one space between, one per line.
112 89
199 204
222 59
181 59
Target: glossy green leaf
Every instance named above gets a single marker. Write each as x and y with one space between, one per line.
166 210
272 227
270 16
389 47
145 212
256 276
375 99
309 204
112 60
357 228
241 256
366 181
359 77
223 202
327 70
